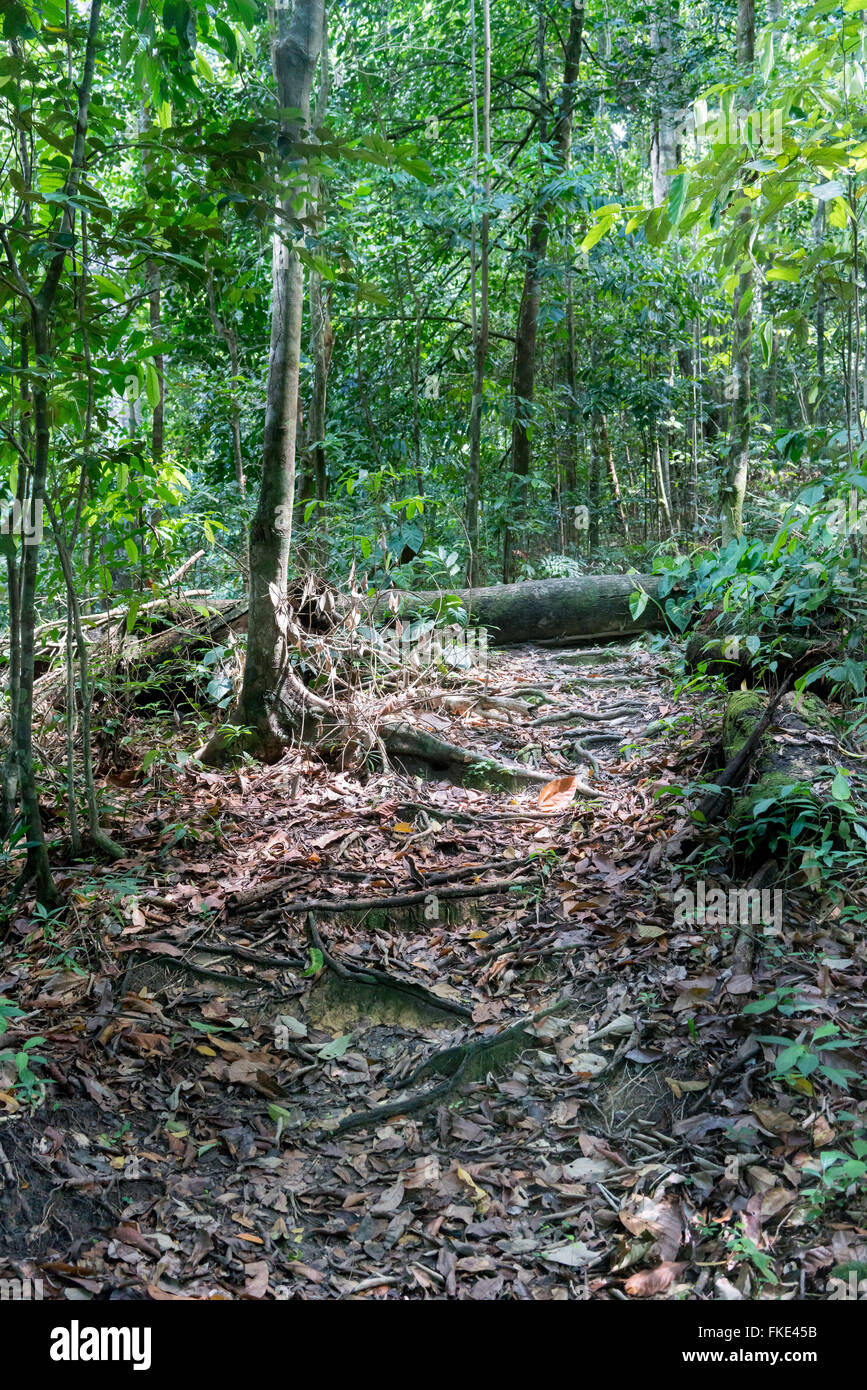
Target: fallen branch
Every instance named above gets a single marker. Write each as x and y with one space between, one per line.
712 804
303 905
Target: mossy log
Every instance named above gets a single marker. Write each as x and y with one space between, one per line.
796 750
731 658
594 606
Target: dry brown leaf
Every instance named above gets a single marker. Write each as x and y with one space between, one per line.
557 795
650 1281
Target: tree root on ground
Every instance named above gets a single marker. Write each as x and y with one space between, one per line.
459 1065
367 975
621 711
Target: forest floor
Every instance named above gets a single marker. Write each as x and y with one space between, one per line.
212 1044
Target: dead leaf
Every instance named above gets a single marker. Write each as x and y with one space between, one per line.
557 795
256 1279
650 1281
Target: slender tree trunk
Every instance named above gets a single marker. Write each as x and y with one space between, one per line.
663 493
613 479
819 233
230 338
314 470
41 305
9 774
594 483
569 423
738 461
10 771
154 283
266 705
99 837
664 147
322 336
523 377
481 320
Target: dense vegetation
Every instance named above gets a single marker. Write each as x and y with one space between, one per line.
326 300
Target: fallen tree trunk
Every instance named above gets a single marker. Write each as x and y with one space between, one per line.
545 610
731 658
594 606
796 751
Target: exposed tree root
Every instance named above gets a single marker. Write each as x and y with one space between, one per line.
621 711
367 975
460 1066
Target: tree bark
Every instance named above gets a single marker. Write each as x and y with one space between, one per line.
269 698
313 485
664 148
593 607
611 469
737 465
223 329
524 371
481 321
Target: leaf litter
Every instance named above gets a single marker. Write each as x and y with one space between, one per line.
485 1063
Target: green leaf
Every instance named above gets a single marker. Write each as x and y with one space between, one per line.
677 196
840 789
598 231
787 1059
152 385
317 960
785 272
638 601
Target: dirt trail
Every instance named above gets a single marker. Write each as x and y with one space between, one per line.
252 1097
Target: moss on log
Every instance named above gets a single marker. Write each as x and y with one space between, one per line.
594 606
730 658
790 754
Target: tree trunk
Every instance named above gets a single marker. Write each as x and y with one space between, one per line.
613 479
314 474
481 321
737 465
664 148
568 452
269 697
594 483
819 234
523 378
663 495
230 338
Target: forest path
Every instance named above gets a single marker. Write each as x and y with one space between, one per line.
520 1079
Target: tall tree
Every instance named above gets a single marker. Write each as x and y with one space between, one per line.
664 145
266 701
481 319
737 464
524 370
